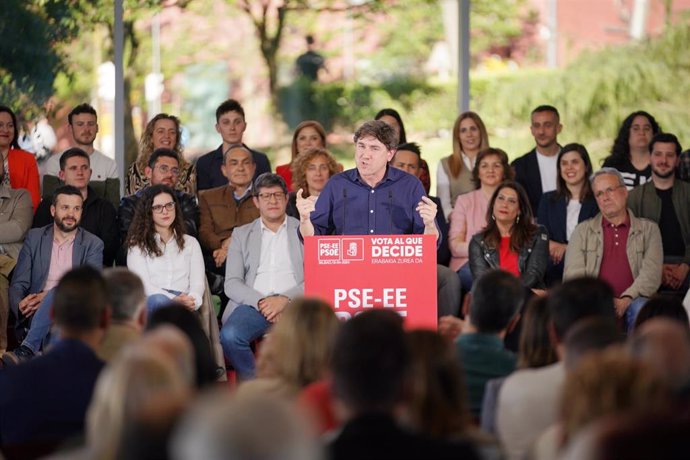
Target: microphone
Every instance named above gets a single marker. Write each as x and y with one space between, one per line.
344 209
390 211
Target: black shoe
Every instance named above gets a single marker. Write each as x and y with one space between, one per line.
18 355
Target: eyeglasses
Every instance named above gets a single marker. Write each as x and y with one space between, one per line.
158 208
607 191
269 196
507 199
165 169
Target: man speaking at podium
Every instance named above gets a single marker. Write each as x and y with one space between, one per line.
373 198
376 199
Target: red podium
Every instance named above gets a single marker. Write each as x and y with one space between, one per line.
354 273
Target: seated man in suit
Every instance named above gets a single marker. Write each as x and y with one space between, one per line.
370 363
15 220
264 271
222 209
43 402
98 214
163 168
47 254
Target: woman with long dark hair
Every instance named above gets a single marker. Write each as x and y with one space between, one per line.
168 261
571 203
511 240
630 150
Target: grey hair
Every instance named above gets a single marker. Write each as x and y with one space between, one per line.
239 147
267 180
607 170
125 293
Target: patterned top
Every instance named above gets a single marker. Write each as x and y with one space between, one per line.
137 180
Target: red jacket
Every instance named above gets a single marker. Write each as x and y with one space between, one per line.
23 171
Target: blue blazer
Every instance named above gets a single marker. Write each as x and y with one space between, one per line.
33 262
552 214
45 399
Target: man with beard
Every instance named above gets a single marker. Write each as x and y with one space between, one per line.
536 170
665 200
48 253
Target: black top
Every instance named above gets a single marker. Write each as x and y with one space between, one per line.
670 226
631 175
98 217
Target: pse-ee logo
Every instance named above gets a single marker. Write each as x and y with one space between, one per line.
347 250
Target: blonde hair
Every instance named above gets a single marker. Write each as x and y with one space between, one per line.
140 378
606 383
146 141
298 349
301 163
455 162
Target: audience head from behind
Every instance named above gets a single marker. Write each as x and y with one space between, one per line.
576 299
608 383
80 305
126 295
370 361
299 347
590 335
163 167
222 426
535 348
187 322
437 403
664 344
137 399
665 306
497 297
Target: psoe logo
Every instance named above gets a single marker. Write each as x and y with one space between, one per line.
329 249
353 249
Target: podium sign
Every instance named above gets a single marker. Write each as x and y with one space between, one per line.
354 273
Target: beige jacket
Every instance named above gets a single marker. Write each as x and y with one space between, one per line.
644 250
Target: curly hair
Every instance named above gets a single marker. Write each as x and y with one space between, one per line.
508 172
455 162
307 124
142 230
523 230
620 151
146 142
301 163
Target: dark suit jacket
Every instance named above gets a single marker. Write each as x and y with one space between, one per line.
98 217
377 436
443 250
45 399
33 263
209 175
527 174
219 214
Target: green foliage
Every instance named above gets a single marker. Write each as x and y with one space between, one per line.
495 23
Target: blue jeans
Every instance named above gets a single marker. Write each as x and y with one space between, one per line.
156 301
244 325
40 323
632 311
465 275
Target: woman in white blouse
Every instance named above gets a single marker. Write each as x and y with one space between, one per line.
168 261
454 173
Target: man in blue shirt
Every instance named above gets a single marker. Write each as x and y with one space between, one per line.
373 198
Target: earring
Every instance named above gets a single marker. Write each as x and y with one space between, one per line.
517 219
493 217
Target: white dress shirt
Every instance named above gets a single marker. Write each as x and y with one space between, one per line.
175 270
274 274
